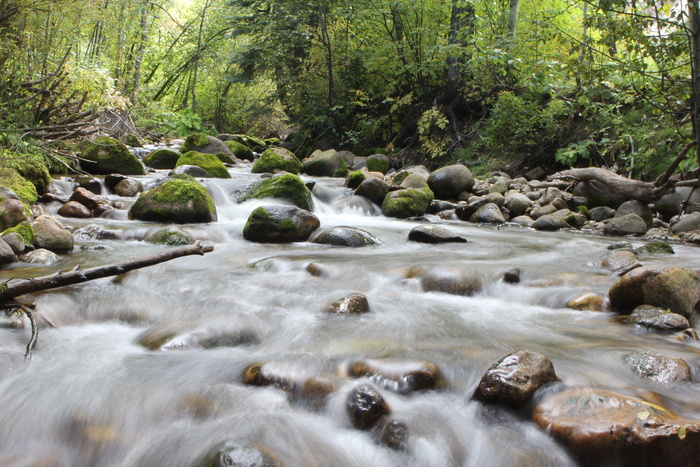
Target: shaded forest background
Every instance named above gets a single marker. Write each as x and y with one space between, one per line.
497 85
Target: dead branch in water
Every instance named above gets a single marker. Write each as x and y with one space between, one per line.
76 276
632 189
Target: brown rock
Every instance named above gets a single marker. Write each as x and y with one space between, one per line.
514 379
316 390
88 198
352 304
602 427
74 209
12 213
434 234
452 280
674 288
587 302
406 375
365 406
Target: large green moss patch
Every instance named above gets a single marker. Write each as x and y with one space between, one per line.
208 162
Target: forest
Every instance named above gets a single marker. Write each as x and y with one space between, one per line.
495 85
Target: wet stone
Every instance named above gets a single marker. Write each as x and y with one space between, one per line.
660 368
512 276
391 433
452 280
587 302
316 390
403 376
239 454
40 256
434 234
365 406
352 304
513 380
619 259
654 317
344 236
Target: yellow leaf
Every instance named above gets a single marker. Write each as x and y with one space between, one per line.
643 415
681 432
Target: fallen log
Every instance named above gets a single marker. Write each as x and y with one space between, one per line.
632 189
21 286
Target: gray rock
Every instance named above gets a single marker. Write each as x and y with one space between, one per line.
448 182
602 213
434 234
550 223
654 317
40 256
670 204
191 170
74 209
687 223
344 236
16 242
518 204
489 213
629 224
7 255
12 212
660 368
546 210
638 208
619 259
373 189
127 188
280 224
452 280
49 233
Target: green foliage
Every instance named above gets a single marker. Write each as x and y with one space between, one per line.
431 126
25 230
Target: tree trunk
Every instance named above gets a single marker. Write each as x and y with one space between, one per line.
513 19
141 52
694 14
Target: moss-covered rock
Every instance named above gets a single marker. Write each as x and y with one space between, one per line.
24 189
104 155
162 159
24 229
272 141
208 162
378 163
200 142
251 141
407 203
325 164
655 248
280 224
171 236
355 178
33 166
180 201
287 187
240 150
277 159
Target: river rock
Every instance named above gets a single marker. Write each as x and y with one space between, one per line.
448 182
179 200
240 150
191 170
171 236
451 279
546 210
550 222
603 427
162 159
176 336
240 454
655 248
49 233
88 199
638 208
325 164
377 163
513 380
352 304
128 188
670 204
373 189
587 302
518 204
7 255
104 155
89 183
316 390
365 406
407 203
12 213
672 288
344 236
275 160
688 223
619 259
288 375
40 256
415 181
357 204
391 433
287 187
601 213
210 163
629 224
280 224
660 368
95 232
206 144
489 213
404 376
16 242
74 209
525 221
434 234
654 317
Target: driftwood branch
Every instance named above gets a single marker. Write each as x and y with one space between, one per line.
76 276
633 189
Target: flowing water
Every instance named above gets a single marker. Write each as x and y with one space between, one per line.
91 395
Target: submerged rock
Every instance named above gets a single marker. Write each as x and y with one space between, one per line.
619 259
239 454
365 406
654 317
513 380
40 256
170 236
403 376
452 280
316 390
662 369
603 427
352 304
587 302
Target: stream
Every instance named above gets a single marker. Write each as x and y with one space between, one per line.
92 395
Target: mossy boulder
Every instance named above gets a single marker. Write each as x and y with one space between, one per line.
199 142
180 201
24 229
354 179
287 187
280 224
277 159
24 189
162 159
378 163
33 166
171 236
325 164
240 150
251 141
208 162
407 203
104 155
